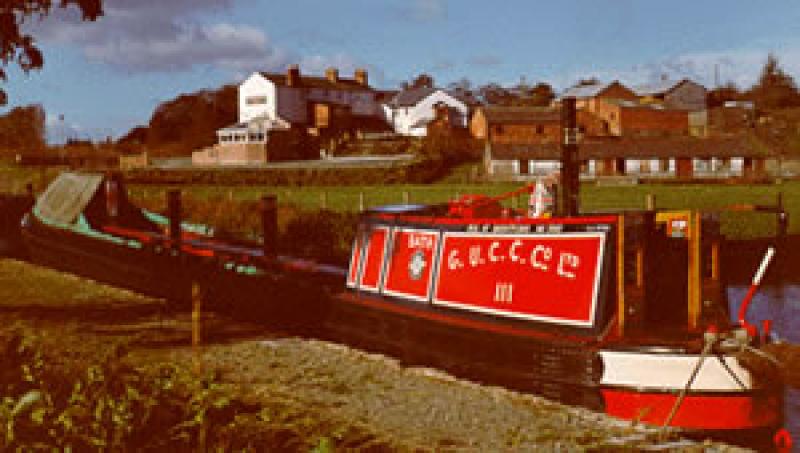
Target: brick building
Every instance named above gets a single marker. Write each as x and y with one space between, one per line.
520 125
672 157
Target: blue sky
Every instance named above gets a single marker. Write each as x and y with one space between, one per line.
108 76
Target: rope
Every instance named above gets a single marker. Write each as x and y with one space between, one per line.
710 340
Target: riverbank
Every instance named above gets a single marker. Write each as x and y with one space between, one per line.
299 394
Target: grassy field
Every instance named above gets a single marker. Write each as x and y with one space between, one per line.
593 197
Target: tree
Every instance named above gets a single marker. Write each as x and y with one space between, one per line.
23 128
423 81
775 88
542 95
718 96
589 81
17 45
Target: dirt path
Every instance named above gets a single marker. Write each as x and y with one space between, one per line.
325 395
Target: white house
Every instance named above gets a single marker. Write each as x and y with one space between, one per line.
410 111
269 101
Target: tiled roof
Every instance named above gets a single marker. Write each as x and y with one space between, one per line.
507 115
412 96
586 91
659 88
644 149
318 82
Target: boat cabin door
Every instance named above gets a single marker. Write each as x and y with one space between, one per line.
671 268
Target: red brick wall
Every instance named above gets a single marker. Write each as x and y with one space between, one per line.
523 134
653 122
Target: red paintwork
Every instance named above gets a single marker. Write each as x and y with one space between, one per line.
373 260
461 322
355 262
703 412
541 277
409 248
501 221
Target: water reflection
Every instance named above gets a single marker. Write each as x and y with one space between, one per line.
782 306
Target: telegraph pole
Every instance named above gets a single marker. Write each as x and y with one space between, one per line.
570 164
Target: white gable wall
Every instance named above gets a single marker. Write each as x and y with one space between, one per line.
257 88
404 118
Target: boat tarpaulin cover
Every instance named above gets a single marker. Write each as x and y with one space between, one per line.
66 197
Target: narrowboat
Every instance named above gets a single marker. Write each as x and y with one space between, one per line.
84 223
622 313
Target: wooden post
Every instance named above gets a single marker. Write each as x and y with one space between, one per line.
174 213
269 224
230 194
406 197
197 318
323 200
621 275
650 202
780 240
695 269
361 202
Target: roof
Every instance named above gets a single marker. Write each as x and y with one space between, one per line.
66 197
659 88
506 115
587 91
318 82
412 96
642 148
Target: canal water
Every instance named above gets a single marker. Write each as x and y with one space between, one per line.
782 306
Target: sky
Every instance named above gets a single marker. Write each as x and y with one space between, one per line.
101 79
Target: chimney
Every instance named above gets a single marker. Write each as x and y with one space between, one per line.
332 74
293 76
361 77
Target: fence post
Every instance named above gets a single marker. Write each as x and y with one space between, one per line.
174 214
650 202
269 224
197 317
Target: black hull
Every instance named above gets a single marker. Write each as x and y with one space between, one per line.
559 370
155 273
12 209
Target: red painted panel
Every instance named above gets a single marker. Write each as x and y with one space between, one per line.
355 261
373 260
412 258
552 278
705 411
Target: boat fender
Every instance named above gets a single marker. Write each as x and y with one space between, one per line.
783 441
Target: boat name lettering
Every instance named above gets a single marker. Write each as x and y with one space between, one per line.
564 264
420 241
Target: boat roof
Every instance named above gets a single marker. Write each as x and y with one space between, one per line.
67 196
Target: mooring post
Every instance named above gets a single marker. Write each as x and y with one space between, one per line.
650 202
782 232
174 213
269 224
570 164
197 318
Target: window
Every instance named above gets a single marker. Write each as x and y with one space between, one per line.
256 100
498 129
539 129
